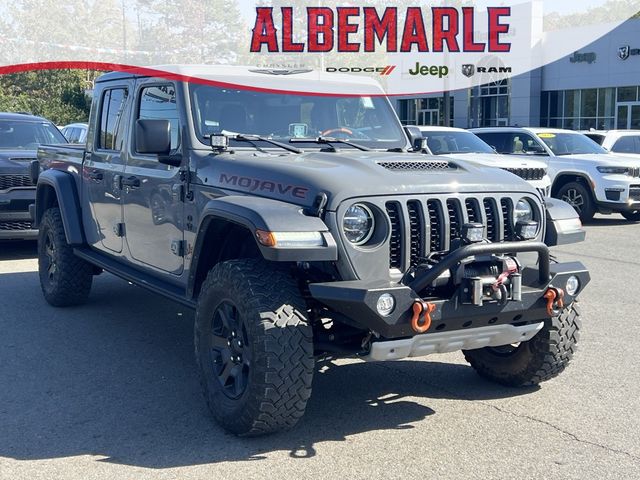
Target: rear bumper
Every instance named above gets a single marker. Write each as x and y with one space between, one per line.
357 300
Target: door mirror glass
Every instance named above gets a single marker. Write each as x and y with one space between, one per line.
153 136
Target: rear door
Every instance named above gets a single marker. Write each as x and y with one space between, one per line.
103 167
153 209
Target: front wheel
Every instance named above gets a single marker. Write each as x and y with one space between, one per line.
254 347
632 216
536 360
579 197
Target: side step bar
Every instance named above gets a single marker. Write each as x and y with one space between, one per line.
136 276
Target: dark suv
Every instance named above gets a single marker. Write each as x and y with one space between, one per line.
20 136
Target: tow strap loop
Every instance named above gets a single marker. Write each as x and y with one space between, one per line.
512 267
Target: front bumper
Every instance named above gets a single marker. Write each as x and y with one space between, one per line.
16 222
357 300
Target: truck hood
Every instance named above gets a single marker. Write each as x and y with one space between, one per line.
16 161
603 159
349 174
497 160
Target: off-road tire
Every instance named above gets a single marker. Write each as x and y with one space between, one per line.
69 281
279 343
587 209
632 216
543 357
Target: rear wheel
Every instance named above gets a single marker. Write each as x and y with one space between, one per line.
534 361
632 216
254 347
64 278
580 198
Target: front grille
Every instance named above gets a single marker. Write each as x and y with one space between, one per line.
11 225
634 192
433 224
13 181
395 241
406 166
528 173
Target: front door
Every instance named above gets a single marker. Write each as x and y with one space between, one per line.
103 167
628 116
153 209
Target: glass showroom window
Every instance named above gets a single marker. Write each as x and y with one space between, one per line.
424 111
589 108
492 104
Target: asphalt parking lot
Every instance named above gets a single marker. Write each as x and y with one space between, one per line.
108 390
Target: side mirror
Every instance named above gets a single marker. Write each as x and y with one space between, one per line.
415 137
153 136
34 171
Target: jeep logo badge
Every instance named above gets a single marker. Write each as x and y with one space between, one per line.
468 70
623 52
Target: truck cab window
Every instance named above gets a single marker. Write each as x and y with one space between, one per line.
110 136
159 102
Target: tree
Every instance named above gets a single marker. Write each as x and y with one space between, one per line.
58 95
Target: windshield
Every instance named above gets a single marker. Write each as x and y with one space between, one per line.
21 135
368 121
570 143
442 143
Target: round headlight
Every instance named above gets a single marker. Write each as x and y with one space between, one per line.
357 224
523 211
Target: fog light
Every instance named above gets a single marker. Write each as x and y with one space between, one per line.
386 303
472 232
526 230
572 286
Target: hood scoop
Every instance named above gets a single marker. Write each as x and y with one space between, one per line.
417 165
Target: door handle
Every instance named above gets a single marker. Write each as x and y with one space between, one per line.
133 182
96 175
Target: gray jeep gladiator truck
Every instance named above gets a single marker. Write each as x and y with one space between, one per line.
304 227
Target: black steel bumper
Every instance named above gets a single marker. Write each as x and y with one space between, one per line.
357 299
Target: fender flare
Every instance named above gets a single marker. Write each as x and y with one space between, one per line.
563 224
66 192
258 213
581 175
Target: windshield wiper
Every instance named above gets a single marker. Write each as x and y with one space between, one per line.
328 141
245 137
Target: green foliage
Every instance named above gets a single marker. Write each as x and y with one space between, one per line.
610 11
58 95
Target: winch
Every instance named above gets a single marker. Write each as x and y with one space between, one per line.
497 279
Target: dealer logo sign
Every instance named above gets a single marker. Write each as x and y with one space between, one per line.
626 51
468 69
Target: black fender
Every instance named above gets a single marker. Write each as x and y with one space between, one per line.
563 223
256 213
64 186
581 175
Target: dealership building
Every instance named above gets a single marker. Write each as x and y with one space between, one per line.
596 87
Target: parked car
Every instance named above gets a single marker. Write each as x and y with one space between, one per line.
75 132
304 227
620 142
464 145
582 173
20 136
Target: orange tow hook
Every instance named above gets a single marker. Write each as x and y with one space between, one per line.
419 307
555 300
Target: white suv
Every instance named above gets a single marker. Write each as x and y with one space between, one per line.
464 145
620 142
582 172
